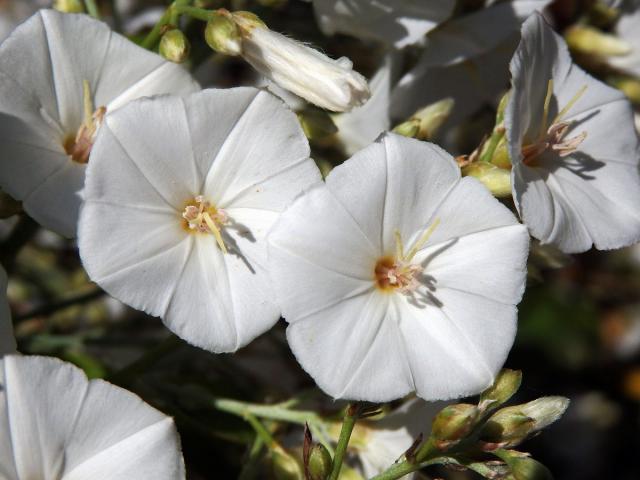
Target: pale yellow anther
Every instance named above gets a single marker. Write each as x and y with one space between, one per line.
422 240
399 246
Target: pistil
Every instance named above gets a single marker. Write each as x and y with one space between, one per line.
79 147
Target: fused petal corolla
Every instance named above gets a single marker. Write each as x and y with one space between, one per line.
573 148
52 67
399 204
179 195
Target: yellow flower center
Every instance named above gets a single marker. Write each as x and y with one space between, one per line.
200 216
78 147
552 137
397 272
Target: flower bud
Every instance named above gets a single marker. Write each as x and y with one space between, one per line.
453 423
222 34
591 41
523 467
319 465
497 180
432 117
285 466
630 86
410 128
69 6
327 83
512 425
505 385
174 46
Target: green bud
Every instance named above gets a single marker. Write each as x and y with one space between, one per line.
630 86
319 466
69 6
285 466
410 128
523 467
247 21
316 123
505 386
174 46
432 117
512 425
453 423
500 157
222 34
591 41
504 101
497 180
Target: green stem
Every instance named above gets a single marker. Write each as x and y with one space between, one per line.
272 412
154 35
248 471
92 8
399 470
171 17
261 431
350 418
197 13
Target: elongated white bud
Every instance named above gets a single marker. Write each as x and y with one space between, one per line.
327 83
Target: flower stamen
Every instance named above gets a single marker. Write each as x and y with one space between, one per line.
552 137
79 147
203 217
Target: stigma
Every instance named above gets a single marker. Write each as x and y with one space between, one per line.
79 147
553 136
200 216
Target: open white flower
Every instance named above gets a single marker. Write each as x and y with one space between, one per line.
7 340
327 83
60 74
398 275
396 22
573 148
179 195
56 424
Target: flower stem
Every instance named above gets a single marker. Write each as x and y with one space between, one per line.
92 8
350 417
171 17
272 412
197 13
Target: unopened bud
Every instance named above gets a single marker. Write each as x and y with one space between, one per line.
512 425
316 124
630 86
285 466
497 180
69 6
432 117
506 384
174 46
319 466
222 34
453 423
523 467
327 83
602 14
410 128
591 41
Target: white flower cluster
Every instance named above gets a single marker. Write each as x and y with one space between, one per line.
396 274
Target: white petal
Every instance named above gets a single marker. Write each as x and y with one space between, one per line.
397 22
353 350
7 340
478 32
55 421
258 155
393 173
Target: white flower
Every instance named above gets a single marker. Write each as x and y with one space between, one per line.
55 424
379 444
179 195
7 340
327 83
59 75
396 22
398 275
361 126
573 147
